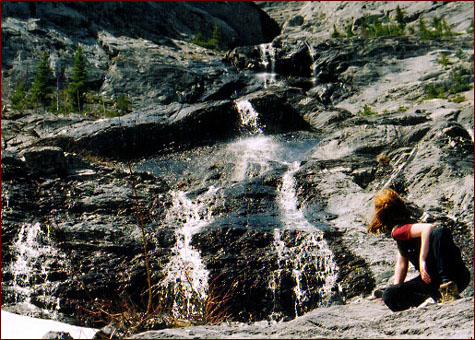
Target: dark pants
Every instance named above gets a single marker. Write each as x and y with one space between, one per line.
444 263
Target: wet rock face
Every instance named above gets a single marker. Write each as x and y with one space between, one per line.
98 247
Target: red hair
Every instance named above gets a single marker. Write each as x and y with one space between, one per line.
389 211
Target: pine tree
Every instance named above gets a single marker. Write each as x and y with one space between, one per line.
400 18
123 104
424 32
42 87
349 31
438 25
215 40
77 88
18 98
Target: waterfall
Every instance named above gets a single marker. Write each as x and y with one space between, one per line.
310 249
34 255
292 217
268 57
268 77
253 154
304 275
186 275
249 117
310 255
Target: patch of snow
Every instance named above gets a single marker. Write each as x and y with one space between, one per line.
14 326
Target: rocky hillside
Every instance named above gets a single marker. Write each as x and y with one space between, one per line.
253 165
128 52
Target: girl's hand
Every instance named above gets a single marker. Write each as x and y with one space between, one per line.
423 270
423 231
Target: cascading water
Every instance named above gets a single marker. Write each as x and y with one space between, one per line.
311 250
186 276
253 153
268 57
269 76
33 256
253 156
249 117
249 167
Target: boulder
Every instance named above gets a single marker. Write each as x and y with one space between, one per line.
57 335
45 160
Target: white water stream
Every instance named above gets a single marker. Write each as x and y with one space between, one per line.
249 117
313 54
33 256
253 155
186 274
311 248
269 76
268 57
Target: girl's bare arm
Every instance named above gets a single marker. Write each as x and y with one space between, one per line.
400 271
423 231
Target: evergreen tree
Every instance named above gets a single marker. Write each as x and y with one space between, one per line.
123 104
400 18
213 43
349 30
42 87
18 98
438 25
77 88
424 32
215 40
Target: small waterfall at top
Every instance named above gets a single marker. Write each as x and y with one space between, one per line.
268 57
186 276
253 153
33 257
307 257
268 62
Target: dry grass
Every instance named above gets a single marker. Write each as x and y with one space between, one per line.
167 311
